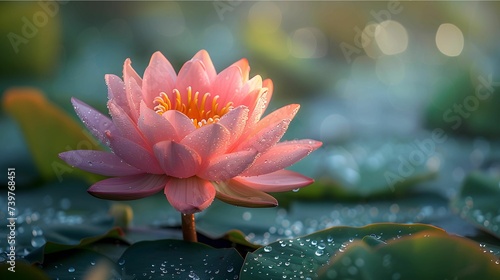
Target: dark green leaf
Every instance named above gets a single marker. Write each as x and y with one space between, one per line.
79 264
424 255
176 259
22 271
303 256
478 202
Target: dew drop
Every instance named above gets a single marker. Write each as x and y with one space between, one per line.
319 252
268 249
230 269
247 216
37 241
71 269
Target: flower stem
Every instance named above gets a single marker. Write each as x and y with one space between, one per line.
188 228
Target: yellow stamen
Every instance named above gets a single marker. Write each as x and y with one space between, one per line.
193 108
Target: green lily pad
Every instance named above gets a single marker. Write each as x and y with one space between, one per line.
423 255
176 259
477 202
48 131
79 264
303 256
22 271
59 213
38 255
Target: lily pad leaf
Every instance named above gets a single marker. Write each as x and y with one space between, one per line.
285 258
423 255
48 131
59 213
477 202
21 271
37 256
177 259
79 264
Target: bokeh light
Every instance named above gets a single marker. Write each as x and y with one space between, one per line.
449 39
308 43
391 37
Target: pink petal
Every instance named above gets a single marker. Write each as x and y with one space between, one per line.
235 193
155 127
279 181
189 195
116 90
129 73
182 124
209 140
235 121
228 84
244 68
207 64
159 77
134 154
96 122
176 159
265 138
249 93
227 166
281 155
125 125
258 107
99 162
129 187
268 83
134 97
269 130
193 75
287 112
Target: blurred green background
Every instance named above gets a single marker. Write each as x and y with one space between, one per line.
404 95
370 71
378 67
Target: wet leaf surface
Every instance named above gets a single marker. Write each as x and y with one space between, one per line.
176 259
304 256
423 255
478 202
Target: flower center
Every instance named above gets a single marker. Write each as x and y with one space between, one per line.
201 109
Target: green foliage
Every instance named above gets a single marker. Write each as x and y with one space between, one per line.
305 256
477 202
48 131
176 259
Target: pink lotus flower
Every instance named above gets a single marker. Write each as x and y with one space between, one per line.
196 136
